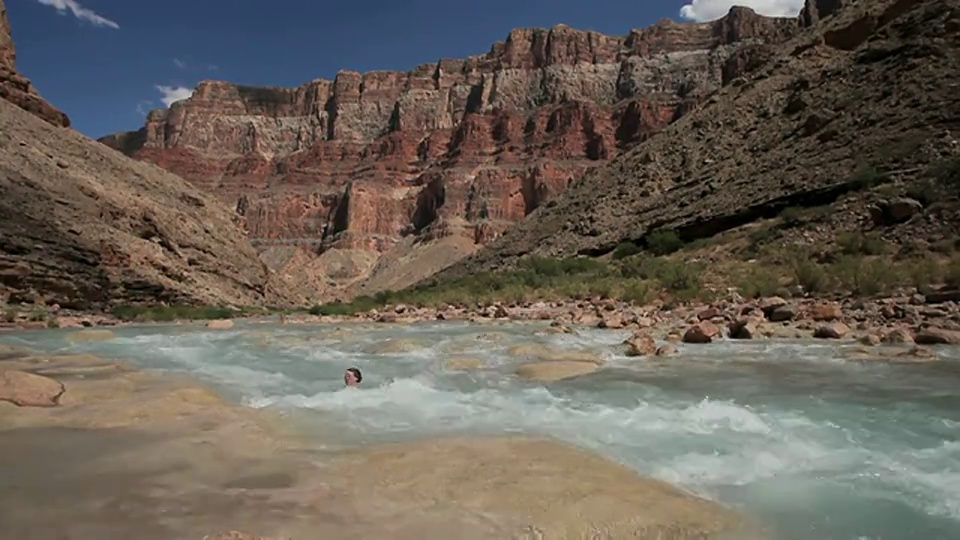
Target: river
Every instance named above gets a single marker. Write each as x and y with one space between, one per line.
796 434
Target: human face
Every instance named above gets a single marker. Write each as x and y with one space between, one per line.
349 378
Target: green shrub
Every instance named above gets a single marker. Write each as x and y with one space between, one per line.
922 273
867 177
864 276
809 275
639 292
624 250
946 173
792 216
663 242
550 267
925 191
758 281
680 277
761 239
952 273
855 243
640 266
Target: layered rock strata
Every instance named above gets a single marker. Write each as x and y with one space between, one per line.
865 93
461 147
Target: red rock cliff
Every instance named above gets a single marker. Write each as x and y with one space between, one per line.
460 147
16 88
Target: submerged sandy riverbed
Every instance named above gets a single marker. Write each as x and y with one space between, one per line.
128 453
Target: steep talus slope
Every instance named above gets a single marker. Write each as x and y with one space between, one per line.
86 227
875 84
393 160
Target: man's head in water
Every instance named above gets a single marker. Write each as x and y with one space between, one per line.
352 377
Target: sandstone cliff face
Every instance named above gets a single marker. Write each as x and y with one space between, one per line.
462 147
874 83
17 89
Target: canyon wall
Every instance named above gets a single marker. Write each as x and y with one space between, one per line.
16 88
84 227
462 148
866 93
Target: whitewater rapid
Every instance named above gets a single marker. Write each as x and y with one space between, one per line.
792 433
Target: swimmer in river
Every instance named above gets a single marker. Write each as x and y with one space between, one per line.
352 377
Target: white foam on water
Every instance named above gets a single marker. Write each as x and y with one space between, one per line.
770 428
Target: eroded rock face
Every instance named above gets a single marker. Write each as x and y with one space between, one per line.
462 147
788 133
16 88
815 10
85 227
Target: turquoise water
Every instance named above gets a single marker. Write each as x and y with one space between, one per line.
811 444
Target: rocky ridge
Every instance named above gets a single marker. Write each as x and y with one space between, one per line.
390 161
16 88
864 86
83 227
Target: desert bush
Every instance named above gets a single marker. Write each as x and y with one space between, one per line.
866 177
677 277
551 267
946 173
639 292
925 191
952 273
864 275
762 240
624 250
940 179
792 216
922 273
809 275
663 242
758 280
856 243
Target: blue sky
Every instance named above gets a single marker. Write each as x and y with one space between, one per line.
105 62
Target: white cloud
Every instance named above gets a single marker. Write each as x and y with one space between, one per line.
170 94
709 10
179 63
79 12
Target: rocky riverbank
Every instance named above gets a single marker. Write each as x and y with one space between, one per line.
168 458
932 319
924 320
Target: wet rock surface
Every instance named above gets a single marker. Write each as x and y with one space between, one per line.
29 390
